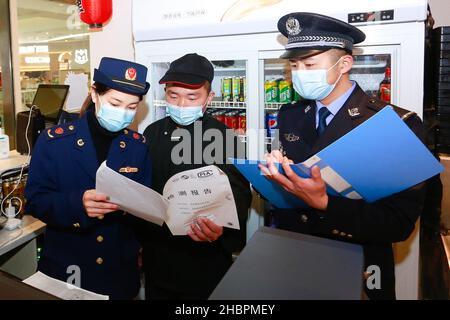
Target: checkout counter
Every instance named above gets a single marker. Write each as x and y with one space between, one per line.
18 248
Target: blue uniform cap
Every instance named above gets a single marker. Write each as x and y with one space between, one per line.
311 32
122 75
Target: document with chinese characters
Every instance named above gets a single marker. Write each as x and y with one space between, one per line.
199 193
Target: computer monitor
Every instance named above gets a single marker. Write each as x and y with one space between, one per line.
50 99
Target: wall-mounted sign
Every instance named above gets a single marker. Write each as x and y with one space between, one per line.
81 56
37 60
33 49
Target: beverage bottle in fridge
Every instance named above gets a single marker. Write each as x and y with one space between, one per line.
385 86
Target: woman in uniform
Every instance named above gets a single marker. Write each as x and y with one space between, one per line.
89 242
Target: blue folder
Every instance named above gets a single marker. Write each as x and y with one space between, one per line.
380 157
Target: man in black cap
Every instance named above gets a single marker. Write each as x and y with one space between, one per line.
319 49
190 267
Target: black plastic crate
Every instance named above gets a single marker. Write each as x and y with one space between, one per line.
441 31
443 85
443 78
443 102
442 54
443 63
441 46
443 71
443 94
443 110
442 38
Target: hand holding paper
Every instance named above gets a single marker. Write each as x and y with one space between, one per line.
200 193
380 157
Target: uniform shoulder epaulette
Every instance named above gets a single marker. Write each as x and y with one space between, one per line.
377 105
135 136
60 131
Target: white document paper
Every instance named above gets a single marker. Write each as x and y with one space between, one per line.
131 196
203 192
61 289
188 195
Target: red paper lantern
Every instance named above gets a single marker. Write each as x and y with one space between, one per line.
95 12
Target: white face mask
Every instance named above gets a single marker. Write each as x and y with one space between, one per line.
113 118
185 115
313 84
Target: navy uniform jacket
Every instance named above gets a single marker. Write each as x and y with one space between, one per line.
375 225
63 167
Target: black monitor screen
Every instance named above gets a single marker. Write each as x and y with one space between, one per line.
50 99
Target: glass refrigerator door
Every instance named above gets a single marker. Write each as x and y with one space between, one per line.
276 88
230 87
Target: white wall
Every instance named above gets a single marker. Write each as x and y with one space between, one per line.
116 38
440 9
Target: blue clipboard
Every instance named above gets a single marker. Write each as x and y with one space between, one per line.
379 158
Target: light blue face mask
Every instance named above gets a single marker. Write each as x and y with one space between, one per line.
313 84
113 118
184 116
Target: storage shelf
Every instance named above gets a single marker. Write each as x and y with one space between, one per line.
273 106
227 105
229 69
213 104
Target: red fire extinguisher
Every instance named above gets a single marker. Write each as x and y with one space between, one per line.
95 12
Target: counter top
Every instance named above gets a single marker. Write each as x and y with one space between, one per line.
15 160
31 228
12 288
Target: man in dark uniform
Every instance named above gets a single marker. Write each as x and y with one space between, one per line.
319 49
190 267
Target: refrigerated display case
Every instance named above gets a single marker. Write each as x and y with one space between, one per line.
252 45
229 104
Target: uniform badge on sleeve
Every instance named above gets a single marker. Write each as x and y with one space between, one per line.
290 137
128 170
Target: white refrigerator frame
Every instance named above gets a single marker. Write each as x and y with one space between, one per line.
404 41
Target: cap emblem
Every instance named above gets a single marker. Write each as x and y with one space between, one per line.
131 74
293 26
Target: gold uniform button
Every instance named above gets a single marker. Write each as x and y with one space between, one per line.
122 144
125 131
342 234
100 217
304 218
76 225
71 128
99 261
350 236
80 142
100 239
335 231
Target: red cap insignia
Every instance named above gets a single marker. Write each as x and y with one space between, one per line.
131 74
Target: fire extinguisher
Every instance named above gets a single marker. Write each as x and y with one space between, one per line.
95 12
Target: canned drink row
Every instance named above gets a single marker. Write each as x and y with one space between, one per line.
234 89
234 119
280 91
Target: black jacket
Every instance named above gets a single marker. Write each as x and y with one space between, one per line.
177 263
375 225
